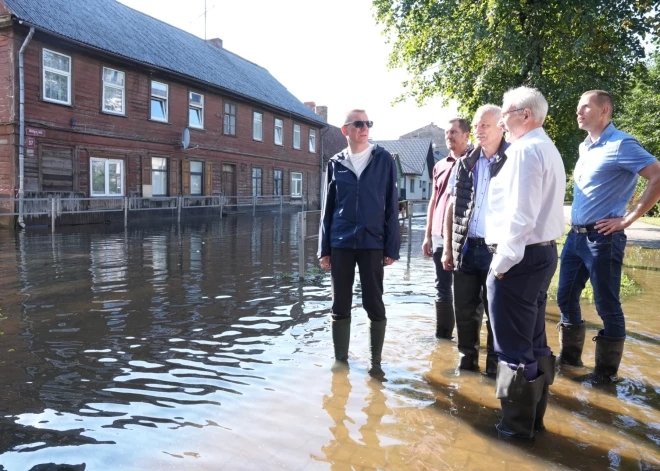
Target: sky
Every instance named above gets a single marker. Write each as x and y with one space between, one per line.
328 52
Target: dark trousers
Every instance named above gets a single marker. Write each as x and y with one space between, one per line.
443 279
517 308
599 258
471 300
370 264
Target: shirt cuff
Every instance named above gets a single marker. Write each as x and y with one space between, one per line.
501 264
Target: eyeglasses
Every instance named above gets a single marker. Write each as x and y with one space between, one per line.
512 111
360 124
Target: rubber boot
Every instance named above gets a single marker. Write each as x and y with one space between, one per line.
341 337
444 315
468 349
519 399
609 351
376 340
571 343
546 366
491 364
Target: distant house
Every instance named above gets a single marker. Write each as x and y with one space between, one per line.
111 94
333 141
415 163
437 136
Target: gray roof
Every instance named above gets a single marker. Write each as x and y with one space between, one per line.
110 26
412 153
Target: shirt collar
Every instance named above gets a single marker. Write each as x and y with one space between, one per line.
467 151
604 136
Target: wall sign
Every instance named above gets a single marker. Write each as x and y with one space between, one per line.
35 132
30 142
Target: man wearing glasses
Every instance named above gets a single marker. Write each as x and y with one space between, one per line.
359 226
605 179
465 250
526 216
456 138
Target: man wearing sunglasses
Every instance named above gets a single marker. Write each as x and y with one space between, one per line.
359 226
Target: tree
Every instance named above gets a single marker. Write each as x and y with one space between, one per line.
474 50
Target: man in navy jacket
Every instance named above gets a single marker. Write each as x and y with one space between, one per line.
359 225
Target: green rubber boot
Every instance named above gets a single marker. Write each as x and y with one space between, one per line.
341 337
376 340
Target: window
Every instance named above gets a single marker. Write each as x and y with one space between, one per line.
196 110
296 184
57 77
421 183
196 177
257 126
412 185
312 140
296 136
277 182
113 91
230 119
106 177
256 181
159 176
279 131
159 97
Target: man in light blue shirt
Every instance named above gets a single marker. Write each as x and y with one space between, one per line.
605 179
465 250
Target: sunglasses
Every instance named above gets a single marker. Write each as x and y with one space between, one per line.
361 124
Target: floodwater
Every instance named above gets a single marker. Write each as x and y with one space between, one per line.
196 347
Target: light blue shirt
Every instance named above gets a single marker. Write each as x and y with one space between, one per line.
606 175
481 173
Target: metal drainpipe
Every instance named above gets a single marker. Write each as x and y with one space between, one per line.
21 127
322 168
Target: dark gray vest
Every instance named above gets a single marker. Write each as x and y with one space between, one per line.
464 201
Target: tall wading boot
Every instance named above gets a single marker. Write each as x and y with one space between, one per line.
491 364
571 343
546 366
609 351
445 321
519 399
376 340
341 337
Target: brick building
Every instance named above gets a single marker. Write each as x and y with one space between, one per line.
109 93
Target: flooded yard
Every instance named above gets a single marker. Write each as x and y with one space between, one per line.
195 346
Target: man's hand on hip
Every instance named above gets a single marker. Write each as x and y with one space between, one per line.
610 225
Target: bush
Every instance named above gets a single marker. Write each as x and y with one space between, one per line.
568 197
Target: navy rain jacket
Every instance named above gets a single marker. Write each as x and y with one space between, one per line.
361 213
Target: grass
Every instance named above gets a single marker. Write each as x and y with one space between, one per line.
650 220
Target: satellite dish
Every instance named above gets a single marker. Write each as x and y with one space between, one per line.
185 138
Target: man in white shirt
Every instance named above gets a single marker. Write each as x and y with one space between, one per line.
525 217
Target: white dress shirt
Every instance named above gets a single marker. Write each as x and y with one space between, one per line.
526 199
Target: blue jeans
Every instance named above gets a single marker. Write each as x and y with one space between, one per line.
599 258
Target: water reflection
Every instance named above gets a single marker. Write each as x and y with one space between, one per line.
196 347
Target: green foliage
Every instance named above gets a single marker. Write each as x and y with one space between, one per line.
473 51
570 187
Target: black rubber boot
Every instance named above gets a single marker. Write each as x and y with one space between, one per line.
445 321
546 366
519 399
571 343
609 351
491 364
341 337
376 340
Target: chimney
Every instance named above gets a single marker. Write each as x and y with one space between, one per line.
217 42
322 111
311 105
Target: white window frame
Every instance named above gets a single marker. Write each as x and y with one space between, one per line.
296 136
296 184
165 172
229 117
117 87
260 135
107 162
165 101
201 176
279 124
197 107
312 140
58 72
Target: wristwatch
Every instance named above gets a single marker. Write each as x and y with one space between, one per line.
498 275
